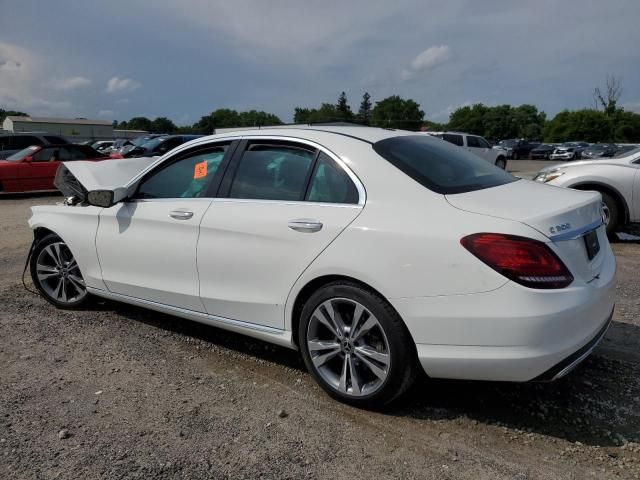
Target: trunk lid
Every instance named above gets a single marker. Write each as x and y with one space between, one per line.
562 215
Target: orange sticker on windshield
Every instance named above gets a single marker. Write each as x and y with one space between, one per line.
200 170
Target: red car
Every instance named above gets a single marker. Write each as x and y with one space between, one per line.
33 168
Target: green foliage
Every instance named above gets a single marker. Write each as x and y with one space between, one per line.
626 127
343 110
13 113
326 113
396 112
364 112
227 118
163 125
499 122
587 125
138 123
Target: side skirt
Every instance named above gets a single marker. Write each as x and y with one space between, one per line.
267 334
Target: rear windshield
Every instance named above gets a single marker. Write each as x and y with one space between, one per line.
440 166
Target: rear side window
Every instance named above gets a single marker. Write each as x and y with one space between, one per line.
188 177
455 139
331 184
439 166
54 140
23 141
473 142
272 172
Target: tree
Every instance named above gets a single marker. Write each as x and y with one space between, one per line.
254 118
364 112
326 113
220 118
396 112
609 99
163 125
587 125
343 110
626 127
499 122
139 123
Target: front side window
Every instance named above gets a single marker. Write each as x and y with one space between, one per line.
482 142
269 171
188 177
49 154
331 184
439 166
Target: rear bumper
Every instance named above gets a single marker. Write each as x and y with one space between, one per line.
512 333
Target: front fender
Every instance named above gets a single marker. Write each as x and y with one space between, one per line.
77 227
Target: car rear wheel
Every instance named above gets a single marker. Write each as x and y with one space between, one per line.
501 163
611 213
356 346
56 274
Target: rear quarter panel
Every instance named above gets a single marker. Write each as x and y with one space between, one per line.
77 227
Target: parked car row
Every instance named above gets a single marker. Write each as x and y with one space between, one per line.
519 148
152 145
11 143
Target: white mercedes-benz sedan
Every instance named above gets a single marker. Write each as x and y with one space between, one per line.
374 252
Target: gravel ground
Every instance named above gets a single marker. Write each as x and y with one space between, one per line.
119 392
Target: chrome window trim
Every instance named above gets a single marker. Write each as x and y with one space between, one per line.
285 202
362 193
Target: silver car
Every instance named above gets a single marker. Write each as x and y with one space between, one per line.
617 179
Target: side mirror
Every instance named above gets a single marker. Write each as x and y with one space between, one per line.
100 198
28 159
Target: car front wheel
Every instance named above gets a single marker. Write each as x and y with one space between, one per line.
56 274
611 213
501 163
356 346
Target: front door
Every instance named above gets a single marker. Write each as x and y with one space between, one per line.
38 174
287 202
147 245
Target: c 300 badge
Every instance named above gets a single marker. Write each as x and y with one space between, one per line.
560 228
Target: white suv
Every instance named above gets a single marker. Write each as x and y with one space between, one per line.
474 144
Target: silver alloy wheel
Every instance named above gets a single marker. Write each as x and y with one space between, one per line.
348 347
59 275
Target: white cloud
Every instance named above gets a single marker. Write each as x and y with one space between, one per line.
106 113
431 57
632 107
19 67
69 83
122 100
117 84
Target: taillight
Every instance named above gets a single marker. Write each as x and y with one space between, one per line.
526 261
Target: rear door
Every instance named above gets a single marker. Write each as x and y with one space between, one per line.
281 204
147 245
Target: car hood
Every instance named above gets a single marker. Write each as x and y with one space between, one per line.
580 163
79 177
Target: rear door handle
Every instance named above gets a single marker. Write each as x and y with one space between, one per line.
305 225
181 214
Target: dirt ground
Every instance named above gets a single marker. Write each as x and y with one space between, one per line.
143 395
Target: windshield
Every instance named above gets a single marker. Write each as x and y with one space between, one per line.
151 144
625 153
22 153
507 143
140 141
441 166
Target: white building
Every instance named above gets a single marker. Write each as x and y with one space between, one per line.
75 129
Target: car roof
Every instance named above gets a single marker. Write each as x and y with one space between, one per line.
362 133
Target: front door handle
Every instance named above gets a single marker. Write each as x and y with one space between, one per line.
305 225
181 214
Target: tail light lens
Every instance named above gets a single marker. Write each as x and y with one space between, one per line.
526 261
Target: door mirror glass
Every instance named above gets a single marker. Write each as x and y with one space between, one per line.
28 159
100 198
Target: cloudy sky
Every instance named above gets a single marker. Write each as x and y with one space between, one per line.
183 59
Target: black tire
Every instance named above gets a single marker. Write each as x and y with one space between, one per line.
44 286
403 365
614 213
501 162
